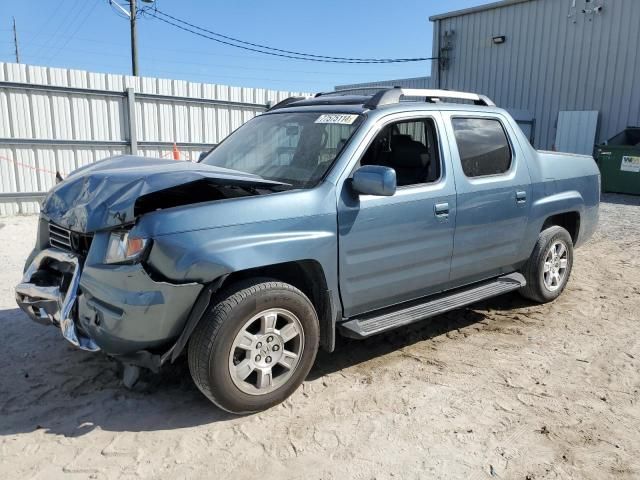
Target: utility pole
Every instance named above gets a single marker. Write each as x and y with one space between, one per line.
134 37
133 15
15 40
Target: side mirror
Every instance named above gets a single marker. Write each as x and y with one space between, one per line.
205 153
374 180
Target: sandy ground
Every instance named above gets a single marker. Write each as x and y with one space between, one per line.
503 390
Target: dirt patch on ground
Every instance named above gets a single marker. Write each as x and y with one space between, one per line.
506 389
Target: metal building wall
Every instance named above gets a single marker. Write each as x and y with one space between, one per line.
415 82
555 58
54 119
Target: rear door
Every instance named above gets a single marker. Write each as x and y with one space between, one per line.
493 196
394 249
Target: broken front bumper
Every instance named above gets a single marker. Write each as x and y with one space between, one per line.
118 309
54 303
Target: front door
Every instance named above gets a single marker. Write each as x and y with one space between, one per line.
493 196
398 248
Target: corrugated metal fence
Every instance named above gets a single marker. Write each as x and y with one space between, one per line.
54 119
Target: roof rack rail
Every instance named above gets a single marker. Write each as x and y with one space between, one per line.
390 96
285 102
343 91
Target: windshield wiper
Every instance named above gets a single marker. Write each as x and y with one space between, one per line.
255 190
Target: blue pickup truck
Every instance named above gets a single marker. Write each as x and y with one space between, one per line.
340 214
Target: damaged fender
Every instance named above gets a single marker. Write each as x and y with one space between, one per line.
107 193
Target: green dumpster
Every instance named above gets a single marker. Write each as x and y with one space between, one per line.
619 162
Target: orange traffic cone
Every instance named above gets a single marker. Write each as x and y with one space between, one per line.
176 152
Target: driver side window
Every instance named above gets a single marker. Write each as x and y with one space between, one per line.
410 147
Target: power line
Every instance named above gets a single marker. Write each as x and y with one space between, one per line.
184 59
42 28
196 52
53 37
291 52
77 29
185 73
266 50
156 59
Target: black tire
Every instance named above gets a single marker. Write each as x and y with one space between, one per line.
211 342
533 270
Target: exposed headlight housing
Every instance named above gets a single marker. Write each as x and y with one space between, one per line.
123 248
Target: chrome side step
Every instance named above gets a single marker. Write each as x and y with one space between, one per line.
390 318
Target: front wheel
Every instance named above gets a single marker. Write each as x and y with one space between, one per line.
254 346
548 269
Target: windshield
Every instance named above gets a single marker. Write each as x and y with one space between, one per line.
295 148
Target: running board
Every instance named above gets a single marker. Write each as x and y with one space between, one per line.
399 316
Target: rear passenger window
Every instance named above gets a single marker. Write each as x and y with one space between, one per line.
482 145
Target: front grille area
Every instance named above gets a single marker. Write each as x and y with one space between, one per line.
60 237
69 241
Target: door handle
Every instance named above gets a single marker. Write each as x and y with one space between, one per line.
521 196
441 210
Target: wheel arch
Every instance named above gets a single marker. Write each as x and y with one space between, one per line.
309 277
570 221
306 275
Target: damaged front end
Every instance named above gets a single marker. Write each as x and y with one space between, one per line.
89 273
48 294
100 301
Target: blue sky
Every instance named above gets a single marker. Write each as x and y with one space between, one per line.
89 34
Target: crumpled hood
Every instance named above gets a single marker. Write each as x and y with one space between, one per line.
103 194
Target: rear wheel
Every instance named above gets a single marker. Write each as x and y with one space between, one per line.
254 346
548 269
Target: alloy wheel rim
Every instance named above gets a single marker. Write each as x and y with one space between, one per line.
555 266
266 351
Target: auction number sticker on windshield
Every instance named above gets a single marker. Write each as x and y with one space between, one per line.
630 164
338 118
